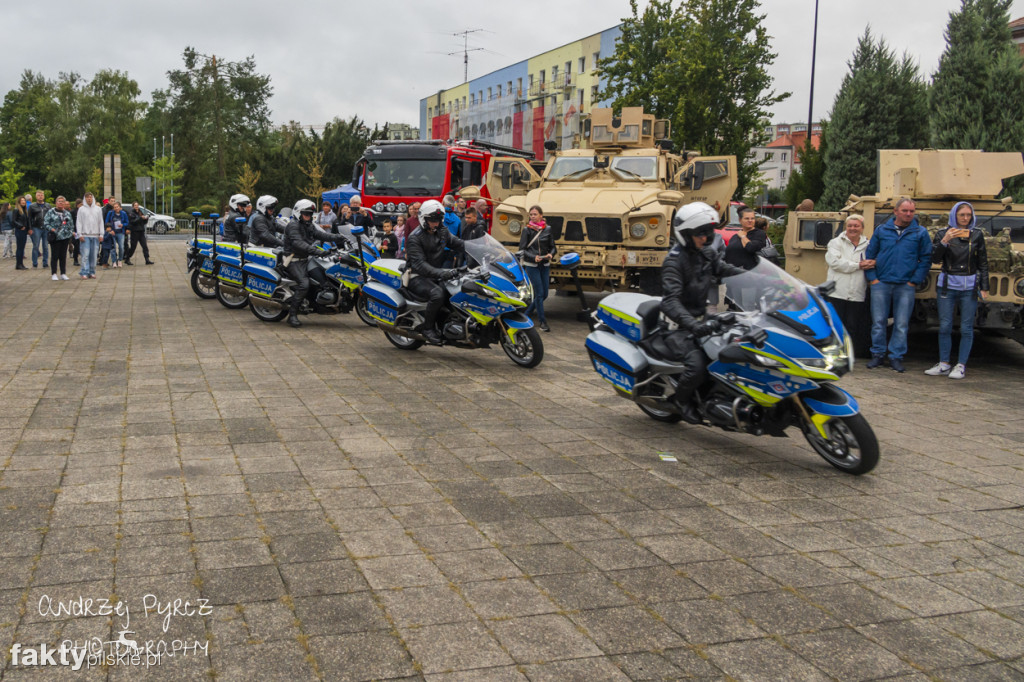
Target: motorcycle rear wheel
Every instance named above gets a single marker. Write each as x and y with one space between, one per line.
201 290
361 312
403 342
527 351
231 301
666 416
852 446
265 314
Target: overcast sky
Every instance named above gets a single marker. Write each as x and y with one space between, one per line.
377 61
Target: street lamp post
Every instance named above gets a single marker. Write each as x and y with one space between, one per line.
814 52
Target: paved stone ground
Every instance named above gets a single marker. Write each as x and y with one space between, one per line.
351 511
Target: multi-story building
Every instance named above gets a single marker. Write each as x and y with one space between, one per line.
402 131
781 156
522 105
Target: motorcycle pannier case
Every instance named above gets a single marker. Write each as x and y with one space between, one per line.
616 360
619 311
260 279
382 302
387 270
261 255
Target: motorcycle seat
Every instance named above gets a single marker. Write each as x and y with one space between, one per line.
409 295
650 314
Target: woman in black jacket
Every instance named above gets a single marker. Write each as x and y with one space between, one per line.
743 247
19 219
960 249
538 247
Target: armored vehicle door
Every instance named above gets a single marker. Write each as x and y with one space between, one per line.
508 176
807 236
711 179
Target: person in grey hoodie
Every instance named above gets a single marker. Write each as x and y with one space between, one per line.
89 231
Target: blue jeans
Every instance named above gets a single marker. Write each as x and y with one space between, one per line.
90 248
947 303
540 278
117 253
39 242
900 299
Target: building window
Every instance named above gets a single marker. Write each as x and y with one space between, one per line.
784 155
509 90
519 87
554 76
463 101
593 95
597 56
782 175
542 76
531 81
580 95
583 65
490 94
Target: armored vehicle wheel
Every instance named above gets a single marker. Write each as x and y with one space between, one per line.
267 314
527 351
232 301
403 342
201 290
851 446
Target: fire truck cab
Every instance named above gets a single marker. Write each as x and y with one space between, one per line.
393 174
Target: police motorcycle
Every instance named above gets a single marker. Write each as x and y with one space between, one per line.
232 257
485 304
270 289
772 365
200 261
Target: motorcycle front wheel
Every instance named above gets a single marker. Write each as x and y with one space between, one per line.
851 446
527 351
230 300
201 290
267 314
361 312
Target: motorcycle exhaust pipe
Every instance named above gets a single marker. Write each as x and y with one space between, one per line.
265 302
408 333
231 290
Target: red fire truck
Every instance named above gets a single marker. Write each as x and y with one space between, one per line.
392 174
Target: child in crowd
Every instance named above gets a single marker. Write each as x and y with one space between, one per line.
389 241
400 235
108 249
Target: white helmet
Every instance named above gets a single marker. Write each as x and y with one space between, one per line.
429 208
696 219
303 206
266 203
237 199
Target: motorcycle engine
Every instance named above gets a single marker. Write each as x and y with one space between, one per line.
455 330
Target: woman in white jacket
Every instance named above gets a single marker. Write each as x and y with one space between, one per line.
846 266
89 231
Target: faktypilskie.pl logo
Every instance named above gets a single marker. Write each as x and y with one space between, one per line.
122 649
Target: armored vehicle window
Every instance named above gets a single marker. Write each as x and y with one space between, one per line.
714 169
644 166
567 165
809 231
629 134
600 134
465 173
997 225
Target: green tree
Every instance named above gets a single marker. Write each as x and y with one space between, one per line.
26 113
703 65
9 179
976 92
881 104
808 181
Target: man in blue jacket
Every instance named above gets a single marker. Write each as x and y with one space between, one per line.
900 255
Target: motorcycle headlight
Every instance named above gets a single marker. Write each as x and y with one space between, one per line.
525 291
515 227
637 230
836 356
379 206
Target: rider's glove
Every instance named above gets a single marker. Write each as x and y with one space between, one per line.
706 328
450 274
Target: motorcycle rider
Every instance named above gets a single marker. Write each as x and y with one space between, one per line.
300 239
426 250
241 207
264 230
691 268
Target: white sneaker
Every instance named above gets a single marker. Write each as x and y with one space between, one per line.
53 277
64 277
938 370
958 372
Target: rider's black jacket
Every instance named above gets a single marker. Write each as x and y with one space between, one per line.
686 277
264 232
299 238
425 252
234 232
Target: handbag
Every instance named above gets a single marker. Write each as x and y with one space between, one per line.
771 254
51 236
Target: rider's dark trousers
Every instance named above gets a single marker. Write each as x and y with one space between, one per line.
431 292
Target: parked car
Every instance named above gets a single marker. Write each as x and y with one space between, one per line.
157 223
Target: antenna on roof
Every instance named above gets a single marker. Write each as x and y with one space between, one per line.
466 49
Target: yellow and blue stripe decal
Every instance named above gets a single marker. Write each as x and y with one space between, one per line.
624 324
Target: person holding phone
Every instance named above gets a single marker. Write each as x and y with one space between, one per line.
960 249
538 247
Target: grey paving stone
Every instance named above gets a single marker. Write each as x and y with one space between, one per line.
419 606
361 656
578 670
626 629
244 584
782 612
454 646
543 638
337 614
923 644
760 659
476 564
400 571
706 621
507 598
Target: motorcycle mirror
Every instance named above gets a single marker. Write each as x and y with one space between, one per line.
827 288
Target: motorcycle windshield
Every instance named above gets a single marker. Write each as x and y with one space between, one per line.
767 288
486 250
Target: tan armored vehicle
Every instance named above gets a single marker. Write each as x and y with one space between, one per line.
935 180
612 200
